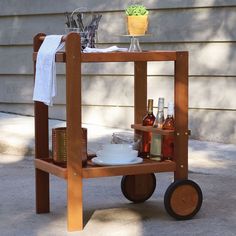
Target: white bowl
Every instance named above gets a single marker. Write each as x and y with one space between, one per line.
116 147
117 157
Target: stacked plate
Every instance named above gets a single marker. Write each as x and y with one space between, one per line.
117 154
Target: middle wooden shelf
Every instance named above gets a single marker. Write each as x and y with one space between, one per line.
92 171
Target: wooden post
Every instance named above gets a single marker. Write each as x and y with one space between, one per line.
181 115
74 133
140 109
140 91
41 146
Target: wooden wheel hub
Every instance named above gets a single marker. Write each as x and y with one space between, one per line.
183 199
138 188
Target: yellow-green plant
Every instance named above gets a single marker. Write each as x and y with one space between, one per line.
136 10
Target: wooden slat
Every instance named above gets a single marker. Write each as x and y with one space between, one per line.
151 129
93 171
49 167
129 56
60 56
63 39
119 56
147 166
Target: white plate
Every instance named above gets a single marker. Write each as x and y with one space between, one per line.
100 162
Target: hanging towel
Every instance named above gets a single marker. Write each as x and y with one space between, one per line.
45 78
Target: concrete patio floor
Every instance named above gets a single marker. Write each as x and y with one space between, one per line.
106 211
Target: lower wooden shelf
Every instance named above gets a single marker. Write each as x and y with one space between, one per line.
47 165
148 166
93 171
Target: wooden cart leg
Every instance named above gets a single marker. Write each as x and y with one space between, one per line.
74 133
74 203
181 116
42 191
41 146
41 151
140 108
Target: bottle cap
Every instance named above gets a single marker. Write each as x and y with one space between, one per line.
161 103
150 105
170 110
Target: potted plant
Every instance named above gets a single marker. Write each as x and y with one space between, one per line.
137 19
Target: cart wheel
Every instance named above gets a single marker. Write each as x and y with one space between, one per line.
138 188
183 199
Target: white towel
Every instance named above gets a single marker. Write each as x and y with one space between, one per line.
110 49
45 78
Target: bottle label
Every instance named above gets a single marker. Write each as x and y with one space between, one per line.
168 147
146 143
156 145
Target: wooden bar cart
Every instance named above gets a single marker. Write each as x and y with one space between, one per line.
183 197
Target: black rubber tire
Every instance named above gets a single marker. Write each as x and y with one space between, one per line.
184 200
126 187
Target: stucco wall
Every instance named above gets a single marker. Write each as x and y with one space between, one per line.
206 29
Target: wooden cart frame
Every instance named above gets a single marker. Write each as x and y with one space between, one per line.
74 173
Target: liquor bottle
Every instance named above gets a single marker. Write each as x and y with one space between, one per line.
148 120
168 140
155 151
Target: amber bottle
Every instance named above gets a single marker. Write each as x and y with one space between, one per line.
148 120
168 140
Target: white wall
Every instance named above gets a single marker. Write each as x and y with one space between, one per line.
206 29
